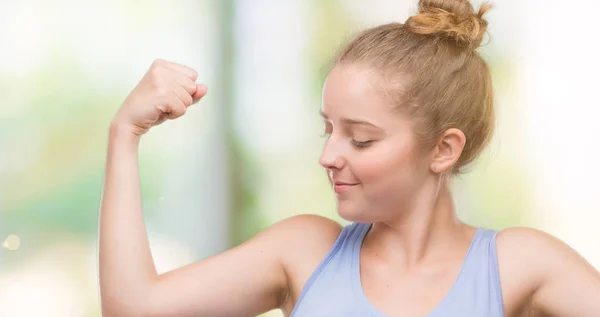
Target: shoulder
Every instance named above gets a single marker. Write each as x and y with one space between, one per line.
296 234
532 251
546 271
524 239
532 244
523 262
548 253
306 228
530 259
294 238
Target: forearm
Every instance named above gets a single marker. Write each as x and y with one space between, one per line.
126 266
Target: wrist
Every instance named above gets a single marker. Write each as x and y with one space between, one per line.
122 132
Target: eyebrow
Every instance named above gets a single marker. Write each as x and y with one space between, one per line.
350 120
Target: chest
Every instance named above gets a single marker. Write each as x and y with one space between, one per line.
474 282
378 291
420 292
445 292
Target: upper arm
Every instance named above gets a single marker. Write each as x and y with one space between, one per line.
244 281
562 283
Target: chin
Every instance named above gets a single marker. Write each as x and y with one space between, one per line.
353 211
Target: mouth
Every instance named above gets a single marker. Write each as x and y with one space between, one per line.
340 187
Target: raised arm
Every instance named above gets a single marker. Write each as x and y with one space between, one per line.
243 281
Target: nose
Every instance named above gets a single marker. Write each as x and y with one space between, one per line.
331 156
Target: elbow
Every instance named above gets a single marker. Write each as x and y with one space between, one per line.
123 306
119 310
132 307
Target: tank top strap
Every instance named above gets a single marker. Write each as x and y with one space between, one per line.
334 269
477 287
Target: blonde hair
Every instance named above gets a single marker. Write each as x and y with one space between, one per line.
433 71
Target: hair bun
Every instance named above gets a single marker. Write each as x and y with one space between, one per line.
452 20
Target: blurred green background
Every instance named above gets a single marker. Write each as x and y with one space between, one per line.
246 156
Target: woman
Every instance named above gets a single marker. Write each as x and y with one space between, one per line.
405 107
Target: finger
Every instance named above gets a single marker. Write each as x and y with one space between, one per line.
184 96
200 92
187 84
182 69
175 108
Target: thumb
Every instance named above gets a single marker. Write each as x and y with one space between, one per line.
200 92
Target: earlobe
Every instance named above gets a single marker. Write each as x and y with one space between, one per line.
448 150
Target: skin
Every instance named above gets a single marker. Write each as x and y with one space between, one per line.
409 259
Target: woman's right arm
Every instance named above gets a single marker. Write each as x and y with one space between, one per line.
244 281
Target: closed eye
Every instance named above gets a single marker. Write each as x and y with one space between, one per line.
361 144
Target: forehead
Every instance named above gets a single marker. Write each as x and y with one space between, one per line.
354 91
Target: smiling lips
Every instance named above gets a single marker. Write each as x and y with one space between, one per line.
340 187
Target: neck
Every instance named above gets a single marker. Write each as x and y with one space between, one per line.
425 231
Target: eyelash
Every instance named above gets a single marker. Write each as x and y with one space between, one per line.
363 144
358 144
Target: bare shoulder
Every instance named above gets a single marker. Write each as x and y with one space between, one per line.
526 239
304 233
530 251
306 228
537 247
299 237
531 262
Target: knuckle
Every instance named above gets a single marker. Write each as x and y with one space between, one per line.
158 62
163 108
156 70
177 112
194 74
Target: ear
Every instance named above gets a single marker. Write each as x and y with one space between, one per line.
447 151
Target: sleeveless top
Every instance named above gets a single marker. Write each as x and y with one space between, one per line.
334 289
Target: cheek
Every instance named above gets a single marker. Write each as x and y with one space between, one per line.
387 169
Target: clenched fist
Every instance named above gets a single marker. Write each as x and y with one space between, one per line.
165 92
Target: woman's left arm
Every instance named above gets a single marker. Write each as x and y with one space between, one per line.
566 284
